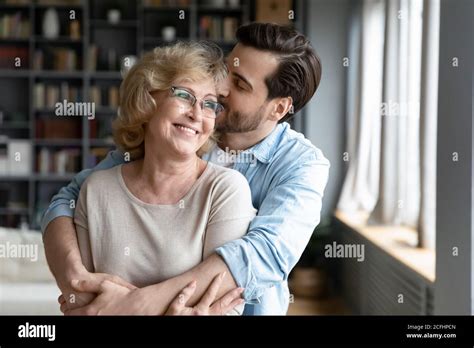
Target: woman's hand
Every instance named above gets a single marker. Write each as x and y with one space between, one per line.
207 305
75 298
112 299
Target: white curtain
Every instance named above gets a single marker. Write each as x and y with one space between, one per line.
428 124
392 120
360 188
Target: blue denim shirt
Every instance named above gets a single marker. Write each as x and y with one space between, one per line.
287 176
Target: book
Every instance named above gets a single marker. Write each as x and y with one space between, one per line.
271 11
3 155
59 128
218 28
64 161
92 58
95 95
14 26
39 96
113 97
47 95
9 57
229 28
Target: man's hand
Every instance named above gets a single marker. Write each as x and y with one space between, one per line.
77 299
112 298
206 305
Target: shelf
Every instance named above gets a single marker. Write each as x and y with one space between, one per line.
52 110
154 9
14 211
231 11
15 7
148 39
57 74
59 6
10 177
15 40
139 30
105 75
64 40
101 142
15 73
103 23
58 142
15 125
105 110
44 110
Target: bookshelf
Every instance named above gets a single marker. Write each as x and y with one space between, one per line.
81 62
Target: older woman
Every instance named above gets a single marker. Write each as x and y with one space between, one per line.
166 210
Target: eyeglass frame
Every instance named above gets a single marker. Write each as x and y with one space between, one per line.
194 100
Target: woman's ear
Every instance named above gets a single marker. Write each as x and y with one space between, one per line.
281 107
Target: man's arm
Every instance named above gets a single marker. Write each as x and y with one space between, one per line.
281 230
60 243
59 234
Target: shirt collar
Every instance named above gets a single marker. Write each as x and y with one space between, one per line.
265 149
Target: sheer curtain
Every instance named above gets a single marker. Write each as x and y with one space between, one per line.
392 117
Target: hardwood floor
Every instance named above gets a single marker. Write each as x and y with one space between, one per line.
310 306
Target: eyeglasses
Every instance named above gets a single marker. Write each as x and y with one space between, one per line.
210 108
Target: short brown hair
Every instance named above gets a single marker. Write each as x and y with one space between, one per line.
299 72
157 70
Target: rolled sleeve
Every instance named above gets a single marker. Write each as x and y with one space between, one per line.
55 210
235 256
63 204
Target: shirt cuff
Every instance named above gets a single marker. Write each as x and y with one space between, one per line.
53 213
239 264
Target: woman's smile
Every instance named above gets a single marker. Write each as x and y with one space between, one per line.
187 130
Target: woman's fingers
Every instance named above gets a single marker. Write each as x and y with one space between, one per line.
211 292
180 301
231 306
116 279
227 302
63 307
91 285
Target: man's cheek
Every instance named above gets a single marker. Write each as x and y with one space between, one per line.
222 117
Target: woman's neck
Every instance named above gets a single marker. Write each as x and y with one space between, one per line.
158 180
154 168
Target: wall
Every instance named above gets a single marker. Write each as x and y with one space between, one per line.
453 288
327 28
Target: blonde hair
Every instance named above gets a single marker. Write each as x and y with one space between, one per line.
157 70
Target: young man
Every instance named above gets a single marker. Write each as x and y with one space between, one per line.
273 73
